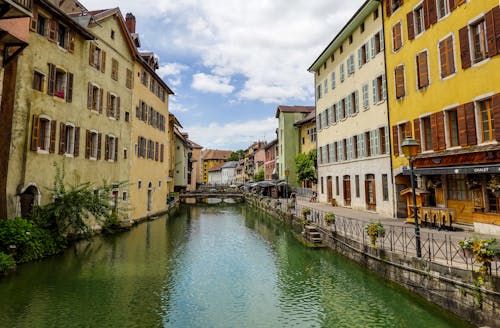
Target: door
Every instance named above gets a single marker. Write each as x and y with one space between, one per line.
329 189
402 210
370 195
347 190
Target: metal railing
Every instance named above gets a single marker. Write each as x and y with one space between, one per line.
27 4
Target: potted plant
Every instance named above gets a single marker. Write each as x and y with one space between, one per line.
305 212
329 218
494 184
484 252
466 246
374 230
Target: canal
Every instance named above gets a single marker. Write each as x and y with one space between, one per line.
207 267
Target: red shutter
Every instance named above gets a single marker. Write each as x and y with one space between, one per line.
52 79
106 148
89 96
35 130
395 140
53 127
77 142
462 126
69 87
463 34
101 100
116 149
495 109
434 132
470 119
117 114
88 142
453 5
62 138
416 128
411 28
440 131
99 140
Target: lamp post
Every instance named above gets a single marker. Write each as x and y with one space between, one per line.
410 149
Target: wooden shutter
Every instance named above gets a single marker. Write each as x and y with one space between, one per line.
395 140
427 21
53 127
77 142
34 19
91 54
434 134
52 30
388 8
101 100
99 142
162 150
423 71
430 13
470 119
399 73
496 20
117 113
410 24
453 5
157 151
397 38
52 79
87 144
408 129
451 55
463 35
103 61
89 95
106 147
69 87
460 2
495 110
462 126
440 131
116 149
492 19
62 138
71 42
416 130
443 58
35 133
108 104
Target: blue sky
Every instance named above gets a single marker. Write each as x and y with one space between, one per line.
231 63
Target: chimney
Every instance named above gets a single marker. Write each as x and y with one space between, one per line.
130 21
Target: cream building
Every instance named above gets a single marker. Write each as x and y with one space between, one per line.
352 122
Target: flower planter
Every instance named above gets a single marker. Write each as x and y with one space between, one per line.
468 253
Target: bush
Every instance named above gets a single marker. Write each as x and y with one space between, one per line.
329 218
7 263
26 241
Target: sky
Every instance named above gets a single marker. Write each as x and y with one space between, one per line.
231 63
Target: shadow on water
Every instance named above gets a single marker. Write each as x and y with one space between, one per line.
209 266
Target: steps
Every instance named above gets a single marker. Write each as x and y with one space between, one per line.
312 234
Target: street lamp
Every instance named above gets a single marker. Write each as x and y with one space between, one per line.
410 149
286 186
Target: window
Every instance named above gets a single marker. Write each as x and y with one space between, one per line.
350 65
93 145
354 102
395 4
479 41
363 55
69 132
342 72
60 83
94 99
69 140
139 184
151 149
337 186
60 87
350 149
397 38
486 120
141 143
332 152
340 151
341 49
114 69
442 8
97 57
375 14
111 148
418 19
399 80
446 57
144 78
426 133
362 27
366 96
377 43
41 25
43 134
422 70
379 91
332 57
403 130
333 80
112 34
356 183
38 80
374 143
318 91
325 86
385 187
127 117
124 196
128 82
350 39
113 106
457 187
452 127
62 36
384 140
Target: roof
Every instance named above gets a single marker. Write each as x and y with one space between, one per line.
194 145
208 154
182 137
366 8
271 143
311 117
293 109
174 119
230 165
216 167
74 25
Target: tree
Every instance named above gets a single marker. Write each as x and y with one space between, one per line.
305 165
259 176
236 155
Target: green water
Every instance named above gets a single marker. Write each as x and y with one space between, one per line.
207 267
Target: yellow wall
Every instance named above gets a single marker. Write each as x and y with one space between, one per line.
308 145
207 165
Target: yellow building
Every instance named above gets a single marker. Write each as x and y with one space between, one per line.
149 182
211 157
307 136
443 89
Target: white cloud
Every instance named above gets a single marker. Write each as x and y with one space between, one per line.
172 73
233 135
212 83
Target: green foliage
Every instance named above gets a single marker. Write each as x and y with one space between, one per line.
305 165
7 263
329 217
306 211
236 155
259 176
26 241
374 230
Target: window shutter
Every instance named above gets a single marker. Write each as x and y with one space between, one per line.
360 57
384 88
382 41
157 150
496 20
375 93
117 114
427 21
71 43
52 30
77 142
495 110
372 46
62 138
470 119
367 52
408 129
440 131
388 8
395 140
35 130
99 137
89 95
91 54
116 149
103 61
399 73
396 37
411 28
101 100
453 5
161 152
108 104
356 101
423 72
34 19
443 56
416 129
434 134
492 19
52 79
88 142
462 126
463 34
53 127
451 55
348 103
69 87
106 147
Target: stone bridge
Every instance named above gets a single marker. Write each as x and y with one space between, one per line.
211 197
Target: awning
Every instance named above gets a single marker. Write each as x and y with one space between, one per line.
470 169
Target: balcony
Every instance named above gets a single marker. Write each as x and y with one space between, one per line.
15 8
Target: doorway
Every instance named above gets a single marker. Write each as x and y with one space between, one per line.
370 194
27 200
347 190
329 189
